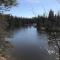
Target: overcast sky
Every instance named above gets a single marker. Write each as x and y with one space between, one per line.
30 8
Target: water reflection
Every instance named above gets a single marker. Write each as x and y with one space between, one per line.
30 44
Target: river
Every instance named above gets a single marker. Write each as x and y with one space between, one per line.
29 44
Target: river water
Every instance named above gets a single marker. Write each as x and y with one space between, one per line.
29 44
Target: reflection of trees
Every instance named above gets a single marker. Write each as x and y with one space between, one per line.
54 44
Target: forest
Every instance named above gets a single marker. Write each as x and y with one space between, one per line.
41 35
47 23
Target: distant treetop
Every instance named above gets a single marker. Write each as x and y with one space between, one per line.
51 14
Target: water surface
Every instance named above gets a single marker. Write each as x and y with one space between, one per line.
29 44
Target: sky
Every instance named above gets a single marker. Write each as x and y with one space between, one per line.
31 8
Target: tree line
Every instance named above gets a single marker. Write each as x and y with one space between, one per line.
51 22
